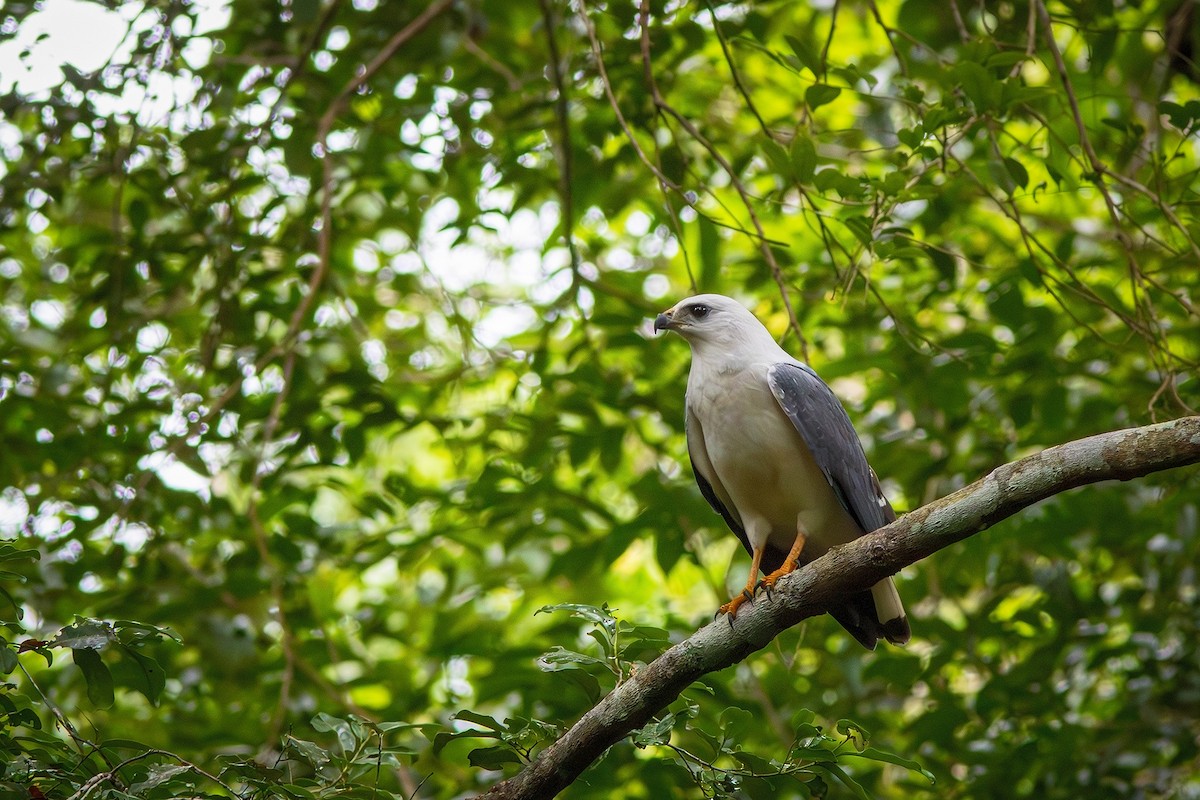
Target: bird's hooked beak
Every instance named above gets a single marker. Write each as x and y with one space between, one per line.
665 321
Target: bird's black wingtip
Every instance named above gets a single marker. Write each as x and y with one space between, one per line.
897 631
858 616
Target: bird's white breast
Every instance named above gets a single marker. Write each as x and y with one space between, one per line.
762 462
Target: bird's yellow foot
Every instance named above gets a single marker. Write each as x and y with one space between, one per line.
735 603
747 594
768 582
790 564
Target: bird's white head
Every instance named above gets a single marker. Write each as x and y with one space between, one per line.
716 323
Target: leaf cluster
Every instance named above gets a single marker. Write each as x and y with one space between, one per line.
325 365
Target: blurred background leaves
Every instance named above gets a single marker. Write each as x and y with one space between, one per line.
322 464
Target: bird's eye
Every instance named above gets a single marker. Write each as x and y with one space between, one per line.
700 312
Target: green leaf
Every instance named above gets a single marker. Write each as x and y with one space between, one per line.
584 680
18 612
857 735
598 614
847 186
1017 171
113 745
310 752
910 137
1030 272
816 786
804 716
1006 59
599 636
803 157
559 658
736 722
801 754
978 84
1103 46
998 170
95 673
778 158
861 228
754 762
158 775
492 730
143 631
341 728
492 758
656 732
10 552
482 720
876 754
836 771
820 94
805 54
1183 117
90 634
852 75
150 679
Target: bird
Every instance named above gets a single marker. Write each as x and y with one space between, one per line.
775 454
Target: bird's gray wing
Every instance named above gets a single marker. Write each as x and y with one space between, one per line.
822 422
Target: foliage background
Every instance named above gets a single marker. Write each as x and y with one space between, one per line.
325 349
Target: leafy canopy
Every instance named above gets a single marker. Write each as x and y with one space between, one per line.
325 365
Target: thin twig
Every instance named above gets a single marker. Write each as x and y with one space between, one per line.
598 55
299 63
278 595
833 15
734 72
665 184
510 77
734 179
563 146
959 23
1167 210
1098 172
62 720
889 33
111 776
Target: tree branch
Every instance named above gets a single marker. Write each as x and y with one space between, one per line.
764 243
1118 455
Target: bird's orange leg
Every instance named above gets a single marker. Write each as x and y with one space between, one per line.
731 607
790 563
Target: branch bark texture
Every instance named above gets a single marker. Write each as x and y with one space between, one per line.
1118 455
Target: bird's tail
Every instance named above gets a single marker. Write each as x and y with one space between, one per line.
890 610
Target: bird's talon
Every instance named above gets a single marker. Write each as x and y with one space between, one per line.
768 582
735 602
